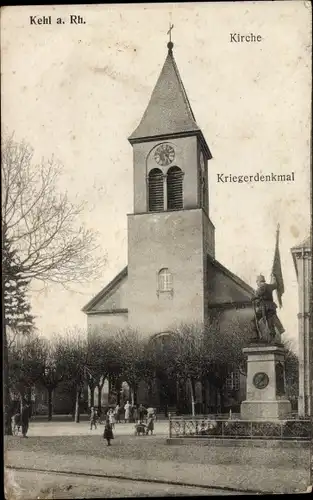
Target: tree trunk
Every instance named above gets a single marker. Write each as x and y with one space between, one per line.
100 387
73 397
29 395
50 392
221 392
204 401
99 396
92 394
192 392
132 396
21 401
6 388
150 399
177 395
77 412
109 388
216 399
118 389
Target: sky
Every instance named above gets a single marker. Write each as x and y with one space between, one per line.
78 92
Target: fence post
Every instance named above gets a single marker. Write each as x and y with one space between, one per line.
251 429
170 424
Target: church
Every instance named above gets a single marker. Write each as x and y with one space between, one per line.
173 276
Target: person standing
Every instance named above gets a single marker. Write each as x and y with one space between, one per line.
93 418
127 412
108 433
150 424
117 413
25 419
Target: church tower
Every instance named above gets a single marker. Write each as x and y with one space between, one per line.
170 233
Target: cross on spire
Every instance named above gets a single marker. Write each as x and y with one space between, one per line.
170 32
170 44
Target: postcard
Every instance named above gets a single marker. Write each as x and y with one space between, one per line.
157 248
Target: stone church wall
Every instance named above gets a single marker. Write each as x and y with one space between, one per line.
107 324
158 241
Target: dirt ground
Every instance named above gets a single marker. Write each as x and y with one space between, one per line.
31 485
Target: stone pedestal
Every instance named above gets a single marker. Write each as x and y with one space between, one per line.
265 398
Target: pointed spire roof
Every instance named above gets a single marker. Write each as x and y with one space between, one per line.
169 111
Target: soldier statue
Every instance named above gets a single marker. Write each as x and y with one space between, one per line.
268 325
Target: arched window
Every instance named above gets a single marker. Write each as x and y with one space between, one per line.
165 280
175 189
156 193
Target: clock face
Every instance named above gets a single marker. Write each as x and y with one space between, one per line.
260 380
164 155
201 161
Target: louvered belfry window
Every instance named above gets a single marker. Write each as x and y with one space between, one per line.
156 191
175 189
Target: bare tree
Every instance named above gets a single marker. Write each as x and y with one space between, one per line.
185 355
197 353
72 353
53 369
42 228
224 345
98 366
131 353
41 223
25 362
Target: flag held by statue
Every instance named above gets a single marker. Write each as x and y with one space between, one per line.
277 271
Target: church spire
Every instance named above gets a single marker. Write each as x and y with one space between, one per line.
169 111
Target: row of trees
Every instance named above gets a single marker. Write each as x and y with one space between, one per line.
188 355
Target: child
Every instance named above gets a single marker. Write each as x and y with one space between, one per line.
107 433
16 423
150 425
93 418
111 418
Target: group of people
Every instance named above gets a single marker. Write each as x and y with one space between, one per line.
130 413
140 415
